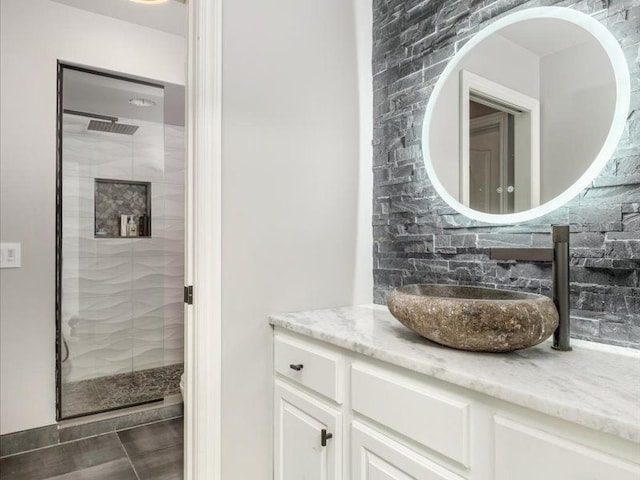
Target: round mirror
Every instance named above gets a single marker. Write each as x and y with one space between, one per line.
526 115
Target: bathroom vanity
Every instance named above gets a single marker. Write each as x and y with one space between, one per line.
359 396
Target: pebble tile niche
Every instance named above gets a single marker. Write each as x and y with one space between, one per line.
114 198
418 238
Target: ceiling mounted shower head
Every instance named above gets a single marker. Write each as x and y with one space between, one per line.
112 127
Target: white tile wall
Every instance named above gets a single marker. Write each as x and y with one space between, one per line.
122 304
148 163
94 155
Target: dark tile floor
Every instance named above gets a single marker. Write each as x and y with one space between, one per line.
116 391
148 452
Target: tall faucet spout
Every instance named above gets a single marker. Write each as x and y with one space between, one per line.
562 335
559 258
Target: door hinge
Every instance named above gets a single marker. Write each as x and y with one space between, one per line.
188 295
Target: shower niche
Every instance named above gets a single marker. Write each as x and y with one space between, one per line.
120 246
119 204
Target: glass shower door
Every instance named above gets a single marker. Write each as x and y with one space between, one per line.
113 255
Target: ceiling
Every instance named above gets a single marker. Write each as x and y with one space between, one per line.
110 97
545 36
167 17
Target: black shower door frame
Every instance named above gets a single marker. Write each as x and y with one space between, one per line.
61 66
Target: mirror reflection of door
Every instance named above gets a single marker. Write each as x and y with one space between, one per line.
491 160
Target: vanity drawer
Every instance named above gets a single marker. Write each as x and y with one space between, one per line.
420 412
318 369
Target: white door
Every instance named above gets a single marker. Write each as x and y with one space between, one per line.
489 163
307 437
374 456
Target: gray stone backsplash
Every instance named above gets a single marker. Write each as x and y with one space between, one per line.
418 238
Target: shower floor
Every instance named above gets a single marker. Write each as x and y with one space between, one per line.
116 391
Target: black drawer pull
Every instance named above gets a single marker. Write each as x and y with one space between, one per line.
295 367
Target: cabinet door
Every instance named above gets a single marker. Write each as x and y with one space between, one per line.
374 456
299 423
526 453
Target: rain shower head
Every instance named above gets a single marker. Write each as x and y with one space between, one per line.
112 127
105 123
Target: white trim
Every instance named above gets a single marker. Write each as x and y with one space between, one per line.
203 320
623 90
471 82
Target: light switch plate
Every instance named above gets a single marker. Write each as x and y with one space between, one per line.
10 255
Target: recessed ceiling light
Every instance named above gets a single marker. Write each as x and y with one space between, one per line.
142 102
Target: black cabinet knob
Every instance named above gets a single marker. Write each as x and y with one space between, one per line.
296 367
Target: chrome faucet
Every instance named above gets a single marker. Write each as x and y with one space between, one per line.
559 258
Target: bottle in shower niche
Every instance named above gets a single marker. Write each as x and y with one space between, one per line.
132 227
143 230
124 225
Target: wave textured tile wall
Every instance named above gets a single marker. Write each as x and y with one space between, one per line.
122 297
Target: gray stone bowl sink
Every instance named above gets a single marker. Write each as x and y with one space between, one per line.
474 318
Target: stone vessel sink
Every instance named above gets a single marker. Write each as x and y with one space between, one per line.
474 318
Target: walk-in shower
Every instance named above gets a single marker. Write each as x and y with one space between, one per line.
120 248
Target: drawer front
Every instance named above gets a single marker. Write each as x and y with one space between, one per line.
314 367
527 453
422 413
377 457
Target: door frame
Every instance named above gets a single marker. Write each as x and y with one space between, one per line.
473 83
203 242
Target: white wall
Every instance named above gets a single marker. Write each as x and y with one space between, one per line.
35 34
296 191
517 68
578 93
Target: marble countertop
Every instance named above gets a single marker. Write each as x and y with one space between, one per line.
595 385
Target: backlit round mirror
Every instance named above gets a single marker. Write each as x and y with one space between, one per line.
526 114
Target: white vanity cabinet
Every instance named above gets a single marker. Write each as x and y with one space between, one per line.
389 423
